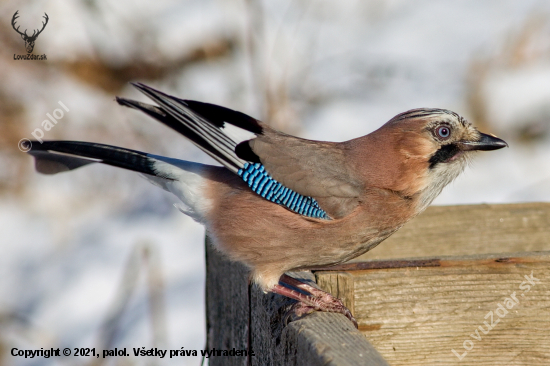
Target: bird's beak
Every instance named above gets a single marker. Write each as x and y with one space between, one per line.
485 142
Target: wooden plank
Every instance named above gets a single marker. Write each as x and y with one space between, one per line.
326 339
469 229
255 321
340 285
227 307
419 315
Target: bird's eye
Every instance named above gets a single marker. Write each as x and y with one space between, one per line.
443 132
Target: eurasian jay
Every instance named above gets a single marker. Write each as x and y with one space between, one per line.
281 203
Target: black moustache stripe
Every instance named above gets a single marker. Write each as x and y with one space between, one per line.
444 153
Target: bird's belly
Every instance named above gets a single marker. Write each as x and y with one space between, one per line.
282 240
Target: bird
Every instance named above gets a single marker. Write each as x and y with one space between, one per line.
281 203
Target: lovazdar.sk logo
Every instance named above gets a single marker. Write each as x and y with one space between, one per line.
29 40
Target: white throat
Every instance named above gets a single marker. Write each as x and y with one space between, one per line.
438 177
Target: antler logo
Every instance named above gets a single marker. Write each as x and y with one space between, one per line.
29 40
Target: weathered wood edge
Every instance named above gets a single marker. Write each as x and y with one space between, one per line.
443 261
327 339
469 229
227 307
243 317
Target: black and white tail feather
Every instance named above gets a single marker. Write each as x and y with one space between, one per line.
216 130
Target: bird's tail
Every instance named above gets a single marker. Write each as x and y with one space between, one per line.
53 157
186 180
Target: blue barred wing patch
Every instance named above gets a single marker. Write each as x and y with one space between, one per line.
257 178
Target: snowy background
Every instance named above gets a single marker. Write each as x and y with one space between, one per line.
99 258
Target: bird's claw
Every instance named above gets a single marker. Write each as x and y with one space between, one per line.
301 309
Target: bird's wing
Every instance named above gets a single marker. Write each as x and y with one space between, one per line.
208 126
293 172
313 168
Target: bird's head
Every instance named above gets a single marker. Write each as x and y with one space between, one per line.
442 135
424 150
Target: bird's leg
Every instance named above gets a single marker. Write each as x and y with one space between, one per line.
306 304
314 291
317 300
323 296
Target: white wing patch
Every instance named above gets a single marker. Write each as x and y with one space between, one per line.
237 134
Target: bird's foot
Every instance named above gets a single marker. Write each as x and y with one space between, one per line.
317 300
305 307
344 310
332 304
